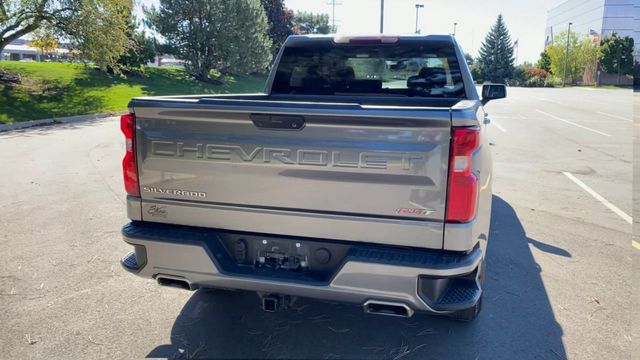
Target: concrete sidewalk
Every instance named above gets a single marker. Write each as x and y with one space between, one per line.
57 120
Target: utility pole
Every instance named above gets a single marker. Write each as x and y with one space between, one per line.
418 6
333 4
381 16
566 57
455 25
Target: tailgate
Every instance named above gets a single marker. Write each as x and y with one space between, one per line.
373 174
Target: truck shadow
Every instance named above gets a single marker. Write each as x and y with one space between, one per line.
517 319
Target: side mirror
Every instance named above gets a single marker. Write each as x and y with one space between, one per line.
493 92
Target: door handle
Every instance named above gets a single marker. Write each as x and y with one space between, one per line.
278 122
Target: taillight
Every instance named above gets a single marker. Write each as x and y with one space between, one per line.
129 167
463 183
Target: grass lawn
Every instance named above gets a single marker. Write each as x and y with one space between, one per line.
60 89
609 87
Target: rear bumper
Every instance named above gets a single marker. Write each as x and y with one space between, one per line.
425 281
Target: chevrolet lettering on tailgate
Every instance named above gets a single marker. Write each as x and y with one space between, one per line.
216 152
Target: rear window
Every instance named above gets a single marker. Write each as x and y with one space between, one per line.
410 68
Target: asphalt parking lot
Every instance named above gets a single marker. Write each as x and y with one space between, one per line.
559 260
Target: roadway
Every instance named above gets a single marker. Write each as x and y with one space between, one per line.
559 264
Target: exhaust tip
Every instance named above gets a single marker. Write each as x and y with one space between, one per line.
174 282
387 308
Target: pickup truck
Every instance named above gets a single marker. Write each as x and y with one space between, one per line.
362 175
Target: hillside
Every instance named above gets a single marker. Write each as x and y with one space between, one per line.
49 90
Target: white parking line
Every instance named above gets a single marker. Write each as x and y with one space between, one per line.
599 197
613 116
549 100
498 126
572 123
635 244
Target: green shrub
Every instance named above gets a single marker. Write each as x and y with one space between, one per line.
553 81
536 81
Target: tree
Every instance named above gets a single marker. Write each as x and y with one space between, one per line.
527 75
469 59
617 54
589 52
582 56
520 74
44 41
473 67
96 28
310 23
544 62
99 32
536 76
496 58
141 51
280 22
475 73
230 36
245 46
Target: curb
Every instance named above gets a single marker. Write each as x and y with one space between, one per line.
60 120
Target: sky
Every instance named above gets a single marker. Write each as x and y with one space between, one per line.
525 19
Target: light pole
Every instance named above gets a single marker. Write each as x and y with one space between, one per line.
418 6
620 59
566 57
381 16
333 4
455 24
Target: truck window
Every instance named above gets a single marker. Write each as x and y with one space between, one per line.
427 69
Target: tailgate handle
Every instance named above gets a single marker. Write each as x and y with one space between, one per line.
278 122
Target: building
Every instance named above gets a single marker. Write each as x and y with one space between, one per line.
597 19
166 60
594 18
21 50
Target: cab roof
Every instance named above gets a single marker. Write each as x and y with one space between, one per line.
360 39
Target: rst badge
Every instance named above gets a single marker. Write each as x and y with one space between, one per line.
413 211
